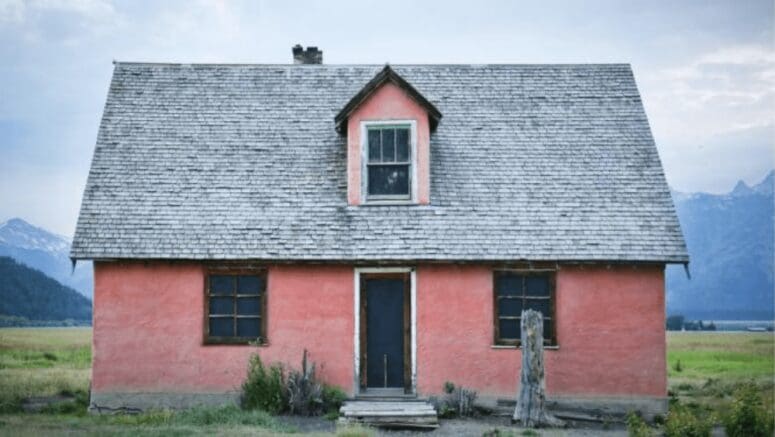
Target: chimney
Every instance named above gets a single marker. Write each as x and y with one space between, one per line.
310 56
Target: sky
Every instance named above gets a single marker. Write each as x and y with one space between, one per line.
705 69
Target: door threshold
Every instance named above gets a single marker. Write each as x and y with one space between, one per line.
385 393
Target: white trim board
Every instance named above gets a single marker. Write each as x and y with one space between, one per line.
357 317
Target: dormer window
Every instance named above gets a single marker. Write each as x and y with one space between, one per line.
389 167
388 124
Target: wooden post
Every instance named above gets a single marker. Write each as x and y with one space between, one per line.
530 410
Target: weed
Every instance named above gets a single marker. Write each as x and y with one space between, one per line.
457 401
748 417
683 421
636 426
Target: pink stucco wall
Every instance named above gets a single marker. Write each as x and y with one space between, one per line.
389 102
148 323
610 332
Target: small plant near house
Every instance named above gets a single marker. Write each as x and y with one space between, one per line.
264 388
457 401
748 416
636 426
682 421
274 390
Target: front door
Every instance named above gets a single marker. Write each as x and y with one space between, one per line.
386 311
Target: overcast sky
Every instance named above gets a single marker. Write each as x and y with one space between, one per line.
706 70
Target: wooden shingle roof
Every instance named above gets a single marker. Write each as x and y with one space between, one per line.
531 162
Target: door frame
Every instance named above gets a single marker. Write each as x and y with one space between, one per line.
410 350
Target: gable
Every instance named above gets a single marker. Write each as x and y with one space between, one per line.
386 76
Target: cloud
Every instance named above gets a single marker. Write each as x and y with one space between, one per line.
64 21
712 116
719 92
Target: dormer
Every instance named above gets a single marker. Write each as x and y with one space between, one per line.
388 124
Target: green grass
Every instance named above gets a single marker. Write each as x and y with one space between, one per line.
42 362
726 356
714 365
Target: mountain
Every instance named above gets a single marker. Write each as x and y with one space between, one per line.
730 242
44 251
28 293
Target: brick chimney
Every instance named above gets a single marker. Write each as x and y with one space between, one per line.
310 56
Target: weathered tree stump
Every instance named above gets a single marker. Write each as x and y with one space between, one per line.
530 410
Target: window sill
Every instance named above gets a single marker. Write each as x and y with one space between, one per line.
388 202
507 346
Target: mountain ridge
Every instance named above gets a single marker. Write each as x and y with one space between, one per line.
45 251
730 241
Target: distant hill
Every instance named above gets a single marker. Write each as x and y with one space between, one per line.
28 293
730 242
44 251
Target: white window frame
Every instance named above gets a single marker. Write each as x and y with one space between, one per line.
412 199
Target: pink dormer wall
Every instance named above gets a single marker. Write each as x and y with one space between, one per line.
388 102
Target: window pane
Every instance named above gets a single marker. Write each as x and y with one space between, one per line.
510 307
374 149
221 284
389 180
541 305
509 329
249 284
537 286
508 284
402 145
221 305
249 327
249 306
388 145
548 329
221 326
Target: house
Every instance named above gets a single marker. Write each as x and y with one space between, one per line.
393 220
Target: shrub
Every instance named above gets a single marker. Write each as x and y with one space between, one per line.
305 393
264 387
748 417
677 366
333 398
636 426
682 422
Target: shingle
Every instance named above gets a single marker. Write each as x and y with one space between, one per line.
530 162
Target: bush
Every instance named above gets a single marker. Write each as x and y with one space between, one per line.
748 417
333 398
682 422
636 426
264 389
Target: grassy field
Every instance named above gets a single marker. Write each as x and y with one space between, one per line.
703 368
43 362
